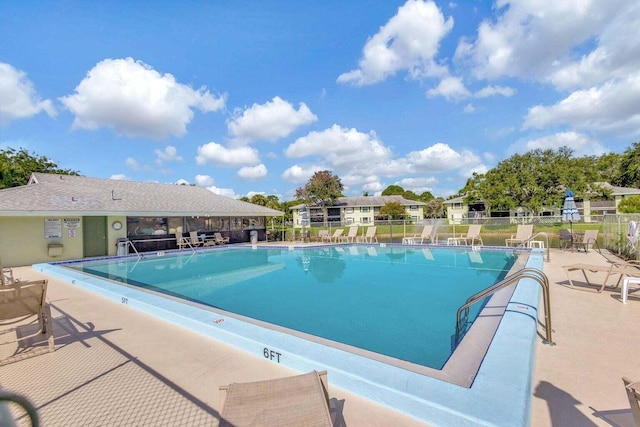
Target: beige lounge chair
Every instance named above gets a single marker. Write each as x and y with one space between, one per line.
623 269
370 235
182 242
217 237
351 235
590 238
473 235
523 233
20 302
195 240
301 400
633 394
337 235
323 235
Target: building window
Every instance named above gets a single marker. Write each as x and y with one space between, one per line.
348 210
348 220
365 220
364 209
413 208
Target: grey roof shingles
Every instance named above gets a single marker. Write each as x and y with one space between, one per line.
52 194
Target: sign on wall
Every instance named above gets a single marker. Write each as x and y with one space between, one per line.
52 228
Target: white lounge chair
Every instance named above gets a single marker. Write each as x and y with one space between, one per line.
523 233
182 242
217 237
323 235
370 235
337 235
194 239
473 235
19 302
351 235
301 400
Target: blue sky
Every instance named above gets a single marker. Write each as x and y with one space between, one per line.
246 97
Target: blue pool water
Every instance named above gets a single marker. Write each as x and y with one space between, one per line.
400 302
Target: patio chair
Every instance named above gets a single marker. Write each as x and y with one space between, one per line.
217 237
324 235
182 242
590 238
337 234
523 233
370 235
472 235
633 394
566 239
300 400
195 240
351 235
20 302
623 269
6 276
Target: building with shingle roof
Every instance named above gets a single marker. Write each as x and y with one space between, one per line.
57 217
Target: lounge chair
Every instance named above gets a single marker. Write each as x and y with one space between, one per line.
523 233
6 276
217 237
472 235
195 240
324 235
370 236
633 394
19 302
301 400
182 242
590 238
351 235
623 269
337 234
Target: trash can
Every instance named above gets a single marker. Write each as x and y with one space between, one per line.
123 246
253 235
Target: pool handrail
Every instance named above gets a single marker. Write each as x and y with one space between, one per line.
525 273
547 252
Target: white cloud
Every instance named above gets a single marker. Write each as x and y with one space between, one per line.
18 96
268 122
226 192
132 163
120 177
299 175
488 91
409 41
469 108
612 107
204 181
451 88
253 172
229 157
441 157
581 144
541 39
342 149
169 154
132 99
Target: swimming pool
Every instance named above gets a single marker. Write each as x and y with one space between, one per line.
395 302
496 390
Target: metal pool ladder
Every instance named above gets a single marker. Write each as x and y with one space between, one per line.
525 273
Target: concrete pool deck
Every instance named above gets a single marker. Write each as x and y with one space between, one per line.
117 366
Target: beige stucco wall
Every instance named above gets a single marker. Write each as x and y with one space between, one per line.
23 242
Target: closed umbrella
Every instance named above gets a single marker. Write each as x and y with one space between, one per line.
569 209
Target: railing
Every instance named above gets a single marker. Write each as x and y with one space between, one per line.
546 237
525 273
